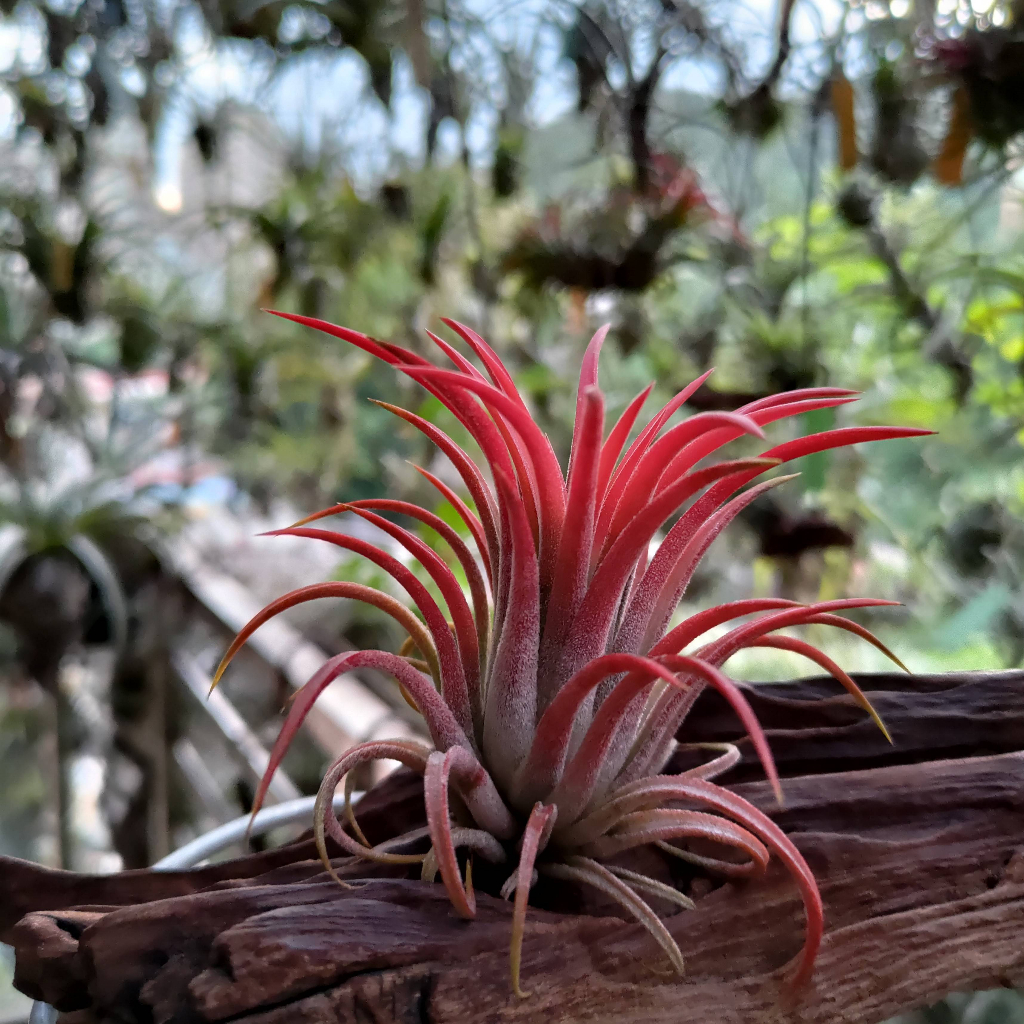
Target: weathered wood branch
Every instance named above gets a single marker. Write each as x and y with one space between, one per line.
921 866
813 728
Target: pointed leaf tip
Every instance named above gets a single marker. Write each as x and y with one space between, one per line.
881 725
221 669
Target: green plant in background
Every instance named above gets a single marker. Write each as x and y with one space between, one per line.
999 1007
59 587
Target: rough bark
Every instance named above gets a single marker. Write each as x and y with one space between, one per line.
921 867
815 729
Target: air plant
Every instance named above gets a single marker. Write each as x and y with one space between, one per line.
554 689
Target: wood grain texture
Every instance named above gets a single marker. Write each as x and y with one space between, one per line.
920 864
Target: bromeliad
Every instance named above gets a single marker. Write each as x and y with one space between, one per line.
553 685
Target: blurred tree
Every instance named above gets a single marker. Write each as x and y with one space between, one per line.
713 224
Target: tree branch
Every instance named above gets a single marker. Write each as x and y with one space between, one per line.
921 868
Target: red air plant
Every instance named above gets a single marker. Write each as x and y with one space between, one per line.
554 694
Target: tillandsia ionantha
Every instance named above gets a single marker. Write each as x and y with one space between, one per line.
554 685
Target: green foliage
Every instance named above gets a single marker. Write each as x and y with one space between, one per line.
999 1007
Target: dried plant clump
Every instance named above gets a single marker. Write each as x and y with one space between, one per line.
554 689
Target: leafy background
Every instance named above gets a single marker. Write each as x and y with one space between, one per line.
823 191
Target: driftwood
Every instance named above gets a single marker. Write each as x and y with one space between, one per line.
918 850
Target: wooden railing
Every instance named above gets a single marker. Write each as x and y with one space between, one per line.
348 711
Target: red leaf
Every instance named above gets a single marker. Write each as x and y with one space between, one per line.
622 503
573 560
673 567
690 629
715 439
456 692
667 787
444 729
616 440
511 695
388 353
576 787
589 633
538 828
471 521
588 379
466 468
451 591
477 588
542 768
620 478
455 356
495 367
353 591
666 718
435 798
546 470
789 643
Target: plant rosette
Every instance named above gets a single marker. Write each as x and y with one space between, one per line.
554 684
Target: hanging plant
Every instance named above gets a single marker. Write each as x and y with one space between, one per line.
989 65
